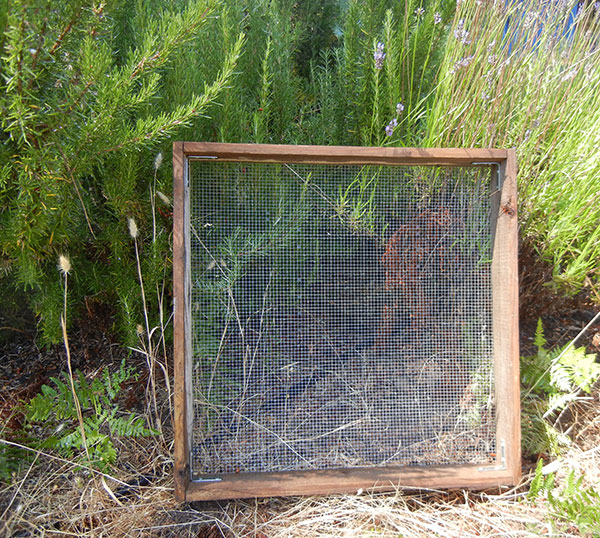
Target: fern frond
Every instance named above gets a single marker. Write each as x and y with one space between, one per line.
539 340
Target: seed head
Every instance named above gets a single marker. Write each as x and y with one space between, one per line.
163 197
64 264
133 229
158 161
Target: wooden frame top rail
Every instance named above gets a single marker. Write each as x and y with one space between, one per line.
343 155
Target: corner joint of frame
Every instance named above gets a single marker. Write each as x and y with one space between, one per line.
501 466
491 163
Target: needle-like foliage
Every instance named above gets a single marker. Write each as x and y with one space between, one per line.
80 108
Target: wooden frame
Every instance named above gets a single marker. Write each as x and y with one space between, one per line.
507 468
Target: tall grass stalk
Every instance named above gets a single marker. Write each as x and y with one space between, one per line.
151 345
64 266
160 284
527 75
150 357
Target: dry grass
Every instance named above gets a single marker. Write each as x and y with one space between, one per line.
54 497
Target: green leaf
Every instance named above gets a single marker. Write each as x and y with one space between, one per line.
539 340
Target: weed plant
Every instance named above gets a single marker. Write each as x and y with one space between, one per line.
571 504
52 417
553 380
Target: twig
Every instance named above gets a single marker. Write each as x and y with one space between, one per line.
74 181
36 54
264 428
66 30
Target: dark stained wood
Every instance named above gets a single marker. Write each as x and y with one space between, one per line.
505 293
246 485
342 154
180 335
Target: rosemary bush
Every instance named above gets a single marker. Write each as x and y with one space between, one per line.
82 103
375 88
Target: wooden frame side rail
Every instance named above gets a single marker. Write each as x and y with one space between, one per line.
505 471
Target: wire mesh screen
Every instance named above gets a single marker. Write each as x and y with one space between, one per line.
341 316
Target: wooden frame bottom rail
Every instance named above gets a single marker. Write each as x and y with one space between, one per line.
374 479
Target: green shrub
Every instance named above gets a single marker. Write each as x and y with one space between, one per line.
82 106
570 504
90 94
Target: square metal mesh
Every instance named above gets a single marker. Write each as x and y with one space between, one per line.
341 316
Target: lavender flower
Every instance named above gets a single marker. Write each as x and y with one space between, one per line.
399 109
529 19
389 129
461 34
463 62
419 11
379 55
466 61
437 18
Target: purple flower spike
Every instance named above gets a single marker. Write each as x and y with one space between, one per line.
389 129
379 55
